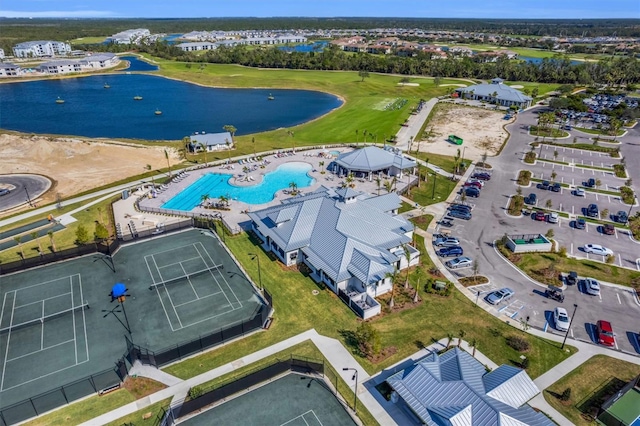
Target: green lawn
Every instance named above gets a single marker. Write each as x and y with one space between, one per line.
361 110
88 40
297 310
422 222
547 133
604 132
434 190
138 417
537 266
585 381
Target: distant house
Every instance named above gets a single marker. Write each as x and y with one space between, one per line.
330 231
496 92
1 53
455 389
129 36
60 67
40 48
101 60
197 45
366 162
9 70
210 141
90 63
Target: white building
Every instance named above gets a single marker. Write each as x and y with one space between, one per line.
90 63
102 60
1 53
60 67
210 141
130 36
41 48
197 45
9 70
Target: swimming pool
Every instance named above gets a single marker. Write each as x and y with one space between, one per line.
217 184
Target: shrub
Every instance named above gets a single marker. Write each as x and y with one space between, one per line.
368 338
530 157
566 394
619 170
562 252
82 235
101 233
515 205
549 233
627 195
524 177
196 392
524 364
518 343
610 259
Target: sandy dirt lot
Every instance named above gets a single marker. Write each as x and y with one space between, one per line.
481 131
76 165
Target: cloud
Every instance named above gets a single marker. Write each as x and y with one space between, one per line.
58 14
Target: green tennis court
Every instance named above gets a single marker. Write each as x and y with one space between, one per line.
627 408
292 400
58 323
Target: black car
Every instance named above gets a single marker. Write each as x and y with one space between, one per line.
572 278
531 199
472 192
460 207
590 183
544 185
481 176
460 214
621 217
450 251
592 210
580 223
555 187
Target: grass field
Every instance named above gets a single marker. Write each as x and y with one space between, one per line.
584 381
406 331
434 190
88 40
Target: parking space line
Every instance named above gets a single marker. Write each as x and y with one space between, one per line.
571 332
618 296
572 251
619 259
615 232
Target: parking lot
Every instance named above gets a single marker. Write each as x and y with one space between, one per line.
490 221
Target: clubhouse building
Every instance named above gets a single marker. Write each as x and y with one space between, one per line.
369 161
330 232
496 92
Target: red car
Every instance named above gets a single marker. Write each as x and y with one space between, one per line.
608 229
540 216
605 333
473 184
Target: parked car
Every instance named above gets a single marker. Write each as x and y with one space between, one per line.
572 278
531 199
591 183
555 187
477 181
580 223
621 217
472 192
460 214
481 176
579 192
539 216
457 206
592 210
561 319
553 217
499 296
598 249
4 191
450 251
592 287
446 242
605 335
459 262
473 184
543 185
609 229
555 293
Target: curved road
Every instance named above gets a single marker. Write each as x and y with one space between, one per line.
25 188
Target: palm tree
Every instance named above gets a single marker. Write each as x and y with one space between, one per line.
407 255
379 182
35 237
555 154
418 169
321 164
356 135
148 167
416 296
461 335
166 156
474 345
294 187
51 239
18 239
450 337
231 129
253 141
228 144
394 181
349 180
203 147
393 281
203 199
388 186
224 200
293 141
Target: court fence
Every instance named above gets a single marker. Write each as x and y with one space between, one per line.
185 349
94 384
607 418
235 385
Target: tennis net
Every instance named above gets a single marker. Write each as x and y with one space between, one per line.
187 277
41 320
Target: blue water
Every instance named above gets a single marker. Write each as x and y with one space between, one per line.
171 38
538 61
136 64
91 110
216 184
318 46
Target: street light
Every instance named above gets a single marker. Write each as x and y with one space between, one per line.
575 308
355 391
635 199
254 256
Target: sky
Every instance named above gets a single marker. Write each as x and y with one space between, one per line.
523 9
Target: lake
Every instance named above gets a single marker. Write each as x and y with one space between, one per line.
91 110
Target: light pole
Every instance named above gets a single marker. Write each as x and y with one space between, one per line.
254 256
464 148
635 198
355 391
575 308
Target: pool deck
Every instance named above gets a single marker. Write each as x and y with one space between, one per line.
235 217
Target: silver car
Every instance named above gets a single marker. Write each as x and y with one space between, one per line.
499 296
446 242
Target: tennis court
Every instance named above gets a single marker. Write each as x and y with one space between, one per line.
58 323
292 400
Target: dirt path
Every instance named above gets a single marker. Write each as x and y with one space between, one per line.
77 165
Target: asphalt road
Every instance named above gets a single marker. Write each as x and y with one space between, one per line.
27 188
615 304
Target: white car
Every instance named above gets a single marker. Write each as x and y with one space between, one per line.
561 319
592 287
459 262
598 249
579 192
553 217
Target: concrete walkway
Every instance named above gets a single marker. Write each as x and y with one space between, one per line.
177 389
414 125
